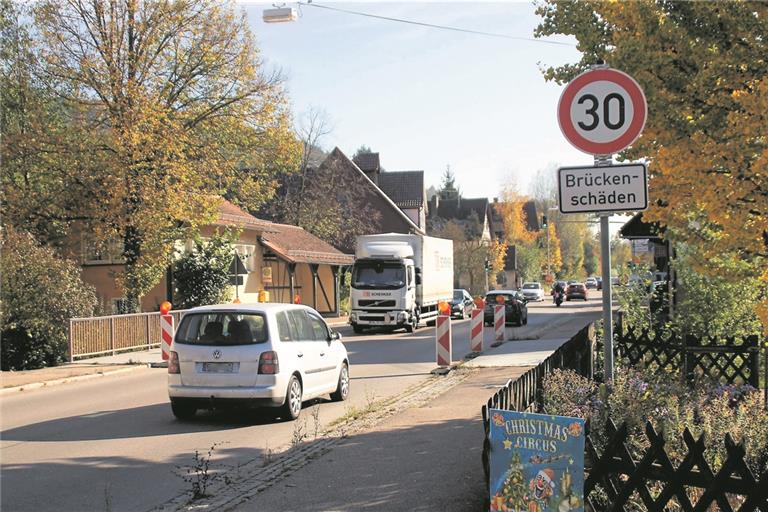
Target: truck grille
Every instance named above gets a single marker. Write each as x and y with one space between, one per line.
376 303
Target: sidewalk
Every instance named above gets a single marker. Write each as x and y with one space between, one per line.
426 458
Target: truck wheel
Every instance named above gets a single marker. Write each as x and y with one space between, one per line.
358 329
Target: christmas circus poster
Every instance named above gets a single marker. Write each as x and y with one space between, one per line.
537 462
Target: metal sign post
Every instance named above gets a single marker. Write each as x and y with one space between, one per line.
605 253
601 112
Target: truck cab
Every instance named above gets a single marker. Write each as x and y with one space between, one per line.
387 289
384 293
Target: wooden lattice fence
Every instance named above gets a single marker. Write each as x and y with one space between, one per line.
727 360
619 481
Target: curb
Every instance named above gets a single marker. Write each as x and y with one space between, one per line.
75 378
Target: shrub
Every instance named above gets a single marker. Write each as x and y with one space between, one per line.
202 275
636 397
40 293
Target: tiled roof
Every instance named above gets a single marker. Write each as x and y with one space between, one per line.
367 162
461 209
232 215
405 188
637 228
339 155
531 215
291 243
296 245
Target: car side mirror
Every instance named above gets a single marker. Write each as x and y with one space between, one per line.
334 336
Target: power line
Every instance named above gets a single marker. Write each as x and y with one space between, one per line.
432 25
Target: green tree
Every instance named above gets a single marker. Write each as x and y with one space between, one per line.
531 259
448 188
40 293
201 276
591 256
164 106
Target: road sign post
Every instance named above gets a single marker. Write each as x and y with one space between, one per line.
601 112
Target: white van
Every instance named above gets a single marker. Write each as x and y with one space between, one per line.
269 355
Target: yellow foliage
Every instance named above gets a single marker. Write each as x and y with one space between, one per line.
702 66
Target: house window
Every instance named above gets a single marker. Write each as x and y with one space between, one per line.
108 253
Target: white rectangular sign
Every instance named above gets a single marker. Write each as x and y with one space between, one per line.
615 188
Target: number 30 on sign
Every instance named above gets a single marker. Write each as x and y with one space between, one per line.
602 111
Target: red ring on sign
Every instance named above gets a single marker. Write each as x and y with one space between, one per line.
636 95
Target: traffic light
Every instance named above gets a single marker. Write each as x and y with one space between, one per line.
487 265
543 221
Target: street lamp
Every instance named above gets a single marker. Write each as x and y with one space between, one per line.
279 15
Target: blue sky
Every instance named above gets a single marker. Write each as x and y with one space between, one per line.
426 98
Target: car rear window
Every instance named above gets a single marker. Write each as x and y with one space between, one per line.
222 328
491 297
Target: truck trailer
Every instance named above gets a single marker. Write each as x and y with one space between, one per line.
398 280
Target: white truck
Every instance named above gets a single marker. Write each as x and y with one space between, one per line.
398 280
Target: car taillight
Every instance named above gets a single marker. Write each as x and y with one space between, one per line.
173 363
268 363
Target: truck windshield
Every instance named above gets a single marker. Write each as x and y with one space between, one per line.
378 275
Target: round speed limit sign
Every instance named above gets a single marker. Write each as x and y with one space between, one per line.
602 111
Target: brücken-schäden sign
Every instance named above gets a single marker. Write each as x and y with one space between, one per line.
615 188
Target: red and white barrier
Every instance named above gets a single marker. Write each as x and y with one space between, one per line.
476 330
498 322
166 335
443 339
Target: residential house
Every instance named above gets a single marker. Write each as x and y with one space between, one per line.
474 215
283 260
510 276
381 212
404 188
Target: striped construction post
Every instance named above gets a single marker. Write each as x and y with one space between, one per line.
476 331
443 340
166 335
498 322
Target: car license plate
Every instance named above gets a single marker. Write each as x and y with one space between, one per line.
220 367
377 322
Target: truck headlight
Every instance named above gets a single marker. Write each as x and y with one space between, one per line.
402 317
353 318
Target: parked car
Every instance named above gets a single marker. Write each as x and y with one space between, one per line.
533 291
462 304
576 291
591 283
254 355
516 307
599 283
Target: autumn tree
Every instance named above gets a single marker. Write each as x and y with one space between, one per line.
162 107
704 71
471 251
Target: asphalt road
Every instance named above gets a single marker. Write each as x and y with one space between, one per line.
113 444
